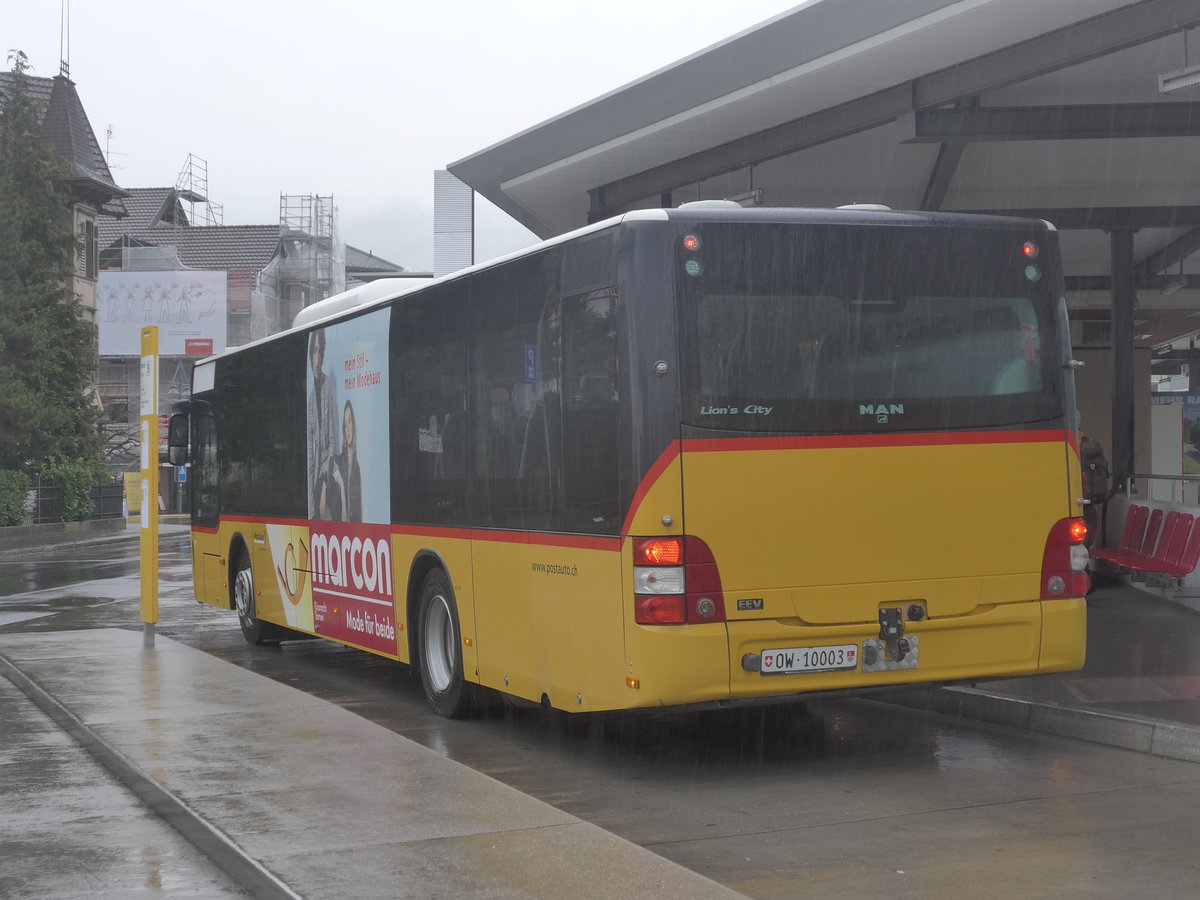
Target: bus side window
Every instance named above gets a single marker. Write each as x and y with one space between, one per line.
589 478
429 382
205 510
513 368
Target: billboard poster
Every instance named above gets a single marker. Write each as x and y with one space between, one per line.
349 483
189 309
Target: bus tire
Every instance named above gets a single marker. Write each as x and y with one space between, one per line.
254 630
440 640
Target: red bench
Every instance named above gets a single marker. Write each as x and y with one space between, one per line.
1137 538
1174 553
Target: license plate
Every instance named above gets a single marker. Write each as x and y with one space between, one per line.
792 660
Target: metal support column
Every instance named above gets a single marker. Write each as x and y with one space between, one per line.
1124 298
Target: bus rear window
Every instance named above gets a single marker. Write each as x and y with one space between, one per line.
824 329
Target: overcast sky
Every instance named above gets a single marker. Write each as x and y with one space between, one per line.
360 99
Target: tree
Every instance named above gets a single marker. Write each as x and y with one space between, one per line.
47 348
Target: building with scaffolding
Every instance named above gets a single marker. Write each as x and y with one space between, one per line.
157 267
311 264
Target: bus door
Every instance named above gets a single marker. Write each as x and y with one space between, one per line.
211 573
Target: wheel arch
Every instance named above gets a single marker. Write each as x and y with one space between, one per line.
237 544
424 562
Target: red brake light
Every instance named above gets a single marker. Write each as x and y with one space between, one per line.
1078 530
1064 563
676 581
658 552
670 609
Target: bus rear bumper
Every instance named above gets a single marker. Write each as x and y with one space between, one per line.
999 641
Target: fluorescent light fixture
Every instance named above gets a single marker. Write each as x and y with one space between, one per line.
1188 76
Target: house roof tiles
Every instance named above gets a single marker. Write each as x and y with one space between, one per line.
156 217
65 128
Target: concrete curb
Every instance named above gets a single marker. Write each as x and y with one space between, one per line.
1152 736
20 537
242 869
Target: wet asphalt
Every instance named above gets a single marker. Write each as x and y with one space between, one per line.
107 789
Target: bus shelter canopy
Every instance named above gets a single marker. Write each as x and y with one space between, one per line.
1055 110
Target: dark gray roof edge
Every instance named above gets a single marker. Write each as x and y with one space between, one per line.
368 255
790 39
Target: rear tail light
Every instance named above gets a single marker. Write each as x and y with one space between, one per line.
1064 564
676 582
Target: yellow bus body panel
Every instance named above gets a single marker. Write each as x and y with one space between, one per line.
549 617
453 551
818 535
825 541
840 537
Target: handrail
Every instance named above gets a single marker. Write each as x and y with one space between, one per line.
1130 487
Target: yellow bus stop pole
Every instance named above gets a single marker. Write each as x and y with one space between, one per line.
149 475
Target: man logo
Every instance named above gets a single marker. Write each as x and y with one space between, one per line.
881 409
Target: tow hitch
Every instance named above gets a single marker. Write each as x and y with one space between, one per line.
891 632
891 650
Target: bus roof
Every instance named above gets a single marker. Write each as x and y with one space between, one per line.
385 290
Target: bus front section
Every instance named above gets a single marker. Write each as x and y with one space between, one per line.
876 460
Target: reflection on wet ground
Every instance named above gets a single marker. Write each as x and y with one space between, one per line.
24 571
523 746
36 583
1143 659
25 575
767 799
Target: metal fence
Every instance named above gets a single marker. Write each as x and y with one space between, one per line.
46 505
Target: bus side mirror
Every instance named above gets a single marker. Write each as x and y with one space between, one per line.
177 439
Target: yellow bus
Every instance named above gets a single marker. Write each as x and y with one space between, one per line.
687 456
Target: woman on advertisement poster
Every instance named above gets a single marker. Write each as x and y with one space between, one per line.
346 469
322 433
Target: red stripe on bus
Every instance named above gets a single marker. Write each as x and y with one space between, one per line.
540 538
834 442
652 475
235 521
252 520
855 441
443 532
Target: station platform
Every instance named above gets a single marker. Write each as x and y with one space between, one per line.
1139 688
289 795
281 794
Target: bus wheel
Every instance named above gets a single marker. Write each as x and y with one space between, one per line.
254 630
441 648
